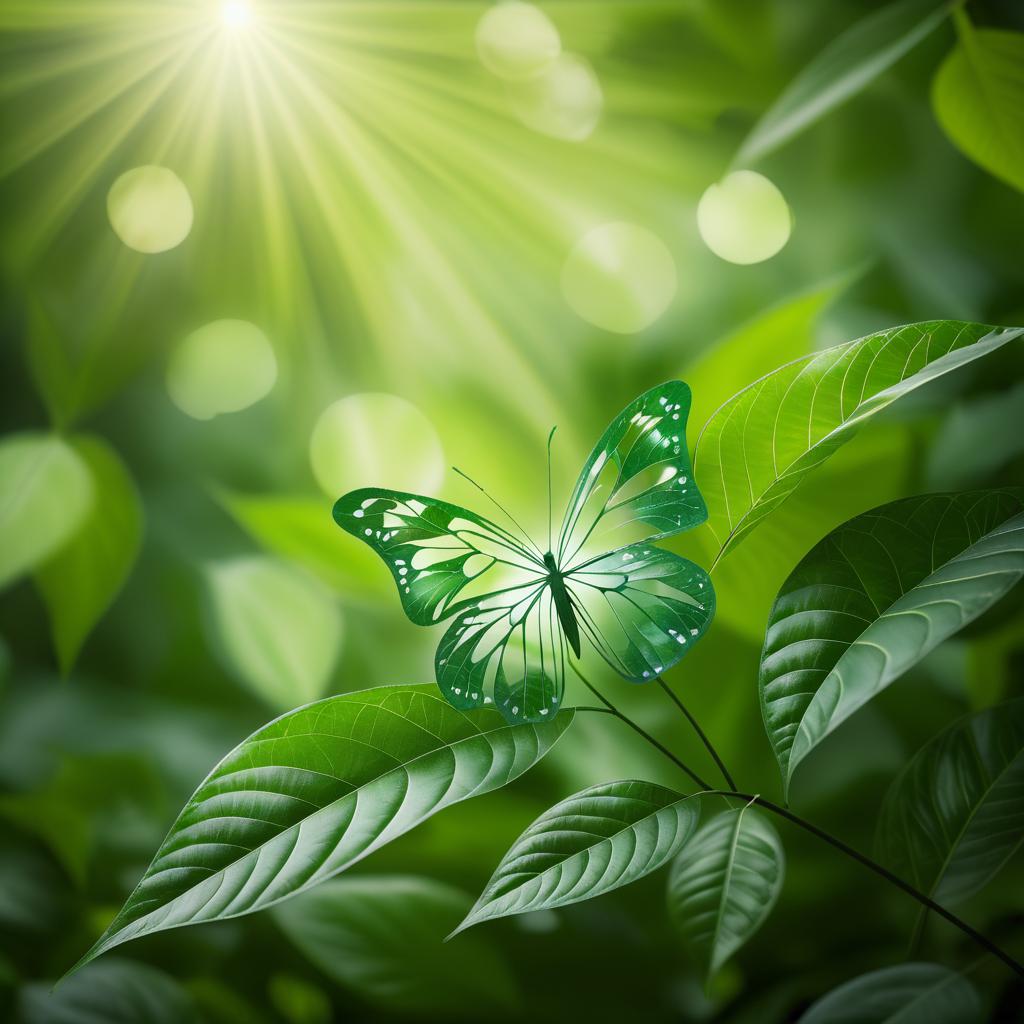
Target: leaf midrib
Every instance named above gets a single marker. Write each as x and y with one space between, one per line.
958 838
473 918
401 767
962 554
726 881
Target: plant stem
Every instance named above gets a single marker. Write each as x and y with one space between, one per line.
699 731
872 865
821 834
611 709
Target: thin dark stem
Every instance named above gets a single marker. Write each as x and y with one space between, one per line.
699 731
821 834
613 710
871 865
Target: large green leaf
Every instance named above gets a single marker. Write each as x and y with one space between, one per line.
276 629
724 883
872 599
113 992
81 580
592 842
757 448
317 790
383 937
978 96
45 494
848 64
906 994
955 815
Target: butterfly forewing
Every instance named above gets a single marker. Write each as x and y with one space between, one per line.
642 607
638 481
438 553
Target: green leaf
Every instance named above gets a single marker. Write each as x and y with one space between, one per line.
724 883
785 330
912 993
955 815
81 580
757 448
872 598
45 494
848 64
275 628
114 992
978 96
591 843
315 791
383 937
303 530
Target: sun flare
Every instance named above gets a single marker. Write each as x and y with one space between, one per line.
236 14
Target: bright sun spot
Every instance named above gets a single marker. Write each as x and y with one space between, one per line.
235 14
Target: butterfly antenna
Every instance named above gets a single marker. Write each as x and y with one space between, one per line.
504 510
550 438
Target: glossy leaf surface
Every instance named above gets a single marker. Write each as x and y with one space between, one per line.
597 840
757 448
315 791
955 815
724 883
872 599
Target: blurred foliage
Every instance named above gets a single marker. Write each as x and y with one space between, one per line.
394 220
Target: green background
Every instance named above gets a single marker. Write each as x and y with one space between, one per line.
365 194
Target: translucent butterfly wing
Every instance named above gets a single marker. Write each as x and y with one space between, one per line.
638 481
436 551
642 607
506 649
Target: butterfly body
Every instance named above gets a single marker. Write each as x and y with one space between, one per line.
518 612
563 603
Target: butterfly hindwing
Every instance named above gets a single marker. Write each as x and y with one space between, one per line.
506 649
642 607
500 646
638 478
435 550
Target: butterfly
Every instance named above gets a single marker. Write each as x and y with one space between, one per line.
517 610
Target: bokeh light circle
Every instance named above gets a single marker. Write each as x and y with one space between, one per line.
564 101
150 209
744 218
516 40
375 440
620 277
224 366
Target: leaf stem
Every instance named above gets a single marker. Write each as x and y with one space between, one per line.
699 731
872 865
807 826
611 709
